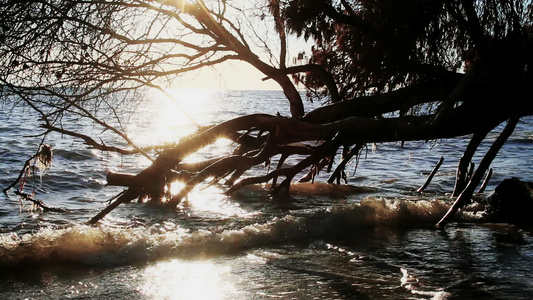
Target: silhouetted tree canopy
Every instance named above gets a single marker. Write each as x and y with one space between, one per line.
393 70
386 45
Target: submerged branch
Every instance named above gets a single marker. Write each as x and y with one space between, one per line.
485 182
40 204
129 195
101 146
466 195
430 177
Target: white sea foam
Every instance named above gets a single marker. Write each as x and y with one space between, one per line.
105 245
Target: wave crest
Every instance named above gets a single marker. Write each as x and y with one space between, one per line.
106 245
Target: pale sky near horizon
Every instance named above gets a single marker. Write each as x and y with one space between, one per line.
239 75
235 75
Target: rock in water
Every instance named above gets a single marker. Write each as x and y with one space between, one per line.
511 202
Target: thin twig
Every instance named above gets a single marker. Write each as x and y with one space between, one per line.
428 181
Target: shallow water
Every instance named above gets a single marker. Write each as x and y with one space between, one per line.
348 243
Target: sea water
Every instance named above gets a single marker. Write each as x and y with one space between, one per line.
370 239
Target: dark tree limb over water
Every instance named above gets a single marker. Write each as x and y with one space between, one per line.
391 71
282 133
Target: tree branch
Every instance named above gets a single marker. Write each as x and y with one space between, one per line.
466 194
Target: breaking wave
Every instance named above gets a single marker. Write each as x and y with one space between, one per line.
107 246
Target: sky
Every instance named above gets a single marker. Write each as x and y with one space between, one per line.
234 75
239 75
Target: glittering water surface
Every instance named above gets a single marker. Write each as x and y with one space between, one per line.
346 242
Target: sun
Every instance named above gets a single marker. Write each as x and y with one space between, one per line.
169 115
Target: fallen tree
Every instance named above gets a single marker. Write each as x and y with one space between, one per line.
403 71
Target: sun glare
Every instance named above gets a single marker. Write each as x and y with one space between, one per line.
192 102
177 113
210 201
172 115
217 149
178 279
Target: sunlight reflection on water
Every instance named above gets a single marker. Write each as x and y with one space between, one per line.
219 148
178 279
210 202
